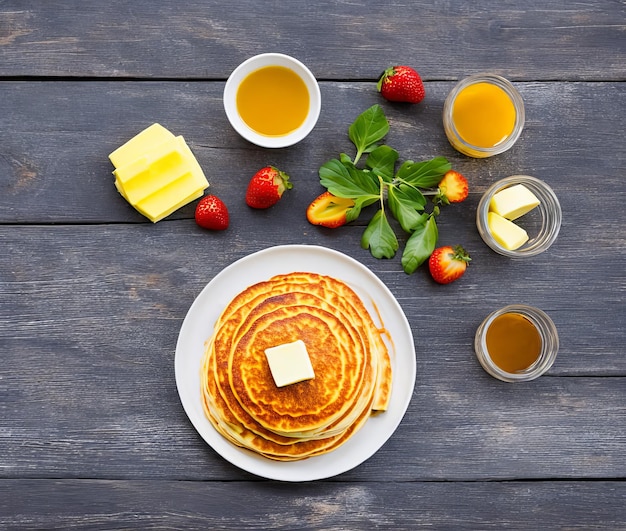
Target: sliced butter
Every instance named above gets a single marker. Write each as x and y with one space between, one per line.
148 174
289 363
505 232
513 202
160 168
148 139
156 212
157 173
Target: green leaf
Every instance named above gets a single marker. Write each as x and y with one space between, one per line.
359 203
420 245
353 213
405 208
404 169
382 162
344 180
414 195
370 127
424 174
379 237
345 158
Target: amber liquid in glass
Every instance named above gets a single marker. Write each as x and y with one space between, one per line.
484 115
513 342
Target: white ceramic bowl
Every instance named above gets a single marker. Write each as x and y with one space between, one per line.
253 64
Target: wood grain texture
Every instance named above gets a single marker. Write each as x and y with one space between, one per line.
70 504
101 307
92 295
56 137
338 39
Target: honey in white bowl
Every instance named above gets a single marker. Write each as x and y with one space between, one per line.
273 100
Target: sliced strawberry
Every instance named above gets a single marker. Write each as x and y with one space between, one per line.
401 83
453 188
266 187
211 213
447 264
328 210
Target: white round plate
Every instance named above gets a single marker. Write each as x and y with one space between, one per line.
260 266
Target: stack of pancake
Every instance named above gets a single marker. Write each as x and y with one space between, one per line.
312 417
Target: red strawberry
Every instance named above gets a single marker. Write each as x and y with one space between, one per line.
328 210
211 213
401 83
448 264
266 187
453 188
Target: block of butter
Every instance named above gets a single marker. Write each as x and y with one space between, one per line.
289 363
145 140
513 202
505 232
157 173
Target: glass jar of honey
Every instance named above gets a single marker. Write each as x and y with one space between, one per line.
483 115
517 343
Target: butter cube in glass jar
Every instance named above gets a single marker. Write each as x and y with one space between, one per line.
540 219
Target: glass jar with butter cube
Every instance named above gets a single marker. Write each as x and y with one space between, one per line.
519 216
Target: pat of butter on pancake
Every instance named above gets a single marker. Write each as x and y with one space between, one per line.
289 363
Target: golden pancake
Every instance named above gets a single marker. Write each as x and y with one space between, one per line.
297 449
350 360
291 298
286 449
235 405
312 405
341 296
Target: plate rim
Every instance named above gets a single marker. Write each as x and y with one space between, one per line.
302 470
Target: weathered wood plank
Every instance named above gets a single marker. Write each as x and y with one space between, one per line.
90 504
337 39
55 139
53 277
92 296
90 314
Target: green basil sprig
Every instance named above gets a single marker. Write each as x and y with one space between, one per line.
400 192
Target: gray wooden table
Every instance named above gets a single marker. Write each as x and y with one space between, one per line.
92 295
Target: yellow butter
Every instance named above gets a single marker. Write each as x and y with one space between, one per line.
148 139
169 198
158 169
120 189
289 363
155 211
513 202
505 232
158 173
148 175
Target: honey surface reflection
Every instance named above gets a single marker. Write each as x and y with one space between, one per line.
513 342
